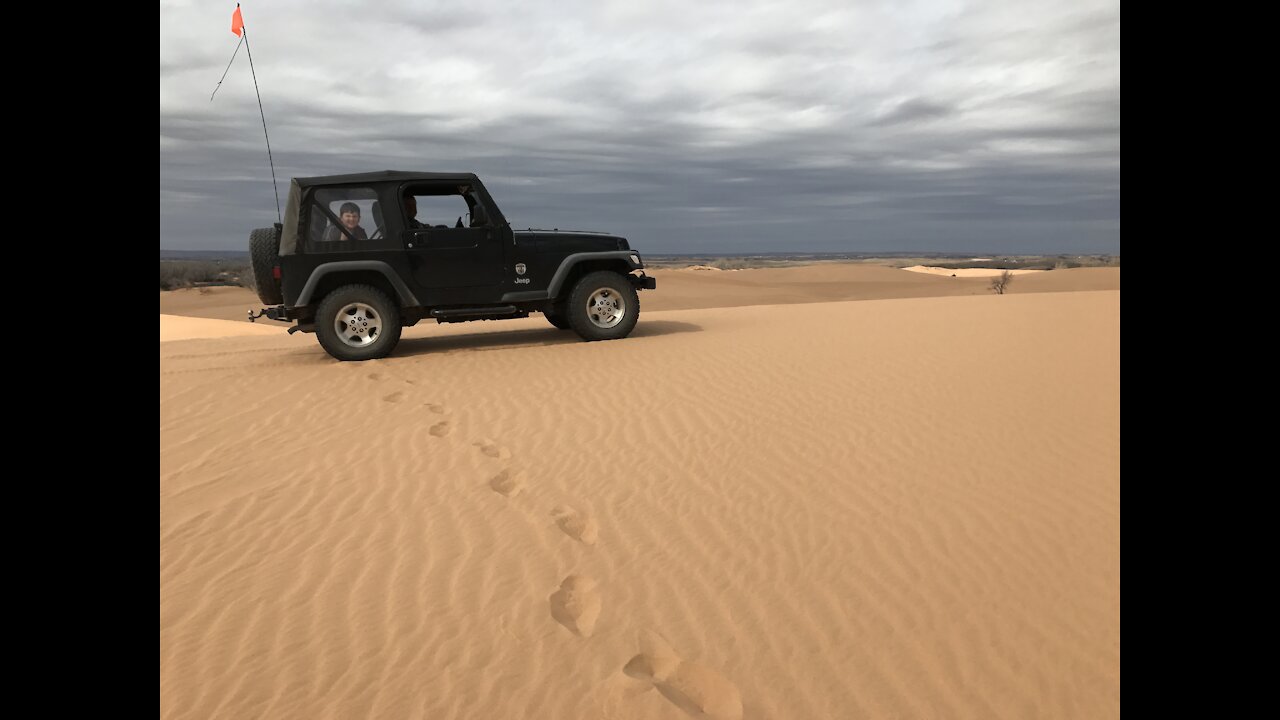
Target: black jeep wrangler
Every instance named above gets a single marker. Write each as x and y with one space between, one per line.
358 257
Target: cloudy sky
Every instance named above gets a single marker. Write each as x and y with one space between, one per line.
712 127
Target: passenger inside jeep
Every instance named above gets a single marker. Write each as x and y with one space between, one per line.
349 214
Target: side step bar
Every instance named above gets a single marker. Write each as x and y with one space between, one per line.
500 312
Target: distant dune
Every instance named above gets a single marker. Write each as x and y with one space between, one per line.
967 272
689 289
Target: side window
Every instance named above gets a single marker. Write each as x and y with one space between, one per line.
449 206
354 216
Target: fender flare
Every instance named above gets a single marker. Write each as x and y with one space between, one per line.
406 296
566 265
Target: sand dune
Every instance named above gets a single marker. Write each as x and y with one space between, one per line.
967 272
687 289
174 327
883 508
698 690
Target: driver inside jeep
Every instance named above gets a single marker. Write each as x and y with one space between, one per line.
349 214
411 207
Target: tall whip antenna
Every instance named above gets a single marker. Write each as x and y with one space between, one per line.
237 27
270 159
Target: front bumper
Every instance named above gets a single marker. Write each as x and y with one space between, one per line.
643 282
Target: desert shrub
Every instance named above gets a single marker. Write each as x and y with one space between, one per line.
1001 283
176 274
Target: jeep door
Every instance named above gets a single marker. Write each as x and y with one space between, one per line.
455 251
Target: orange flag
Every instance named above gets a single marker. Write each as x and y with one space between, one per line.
237 21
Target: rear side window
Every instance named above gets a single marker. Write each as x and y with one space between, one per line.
354 217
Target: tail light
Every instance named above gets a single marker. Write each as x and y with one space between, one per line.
275 272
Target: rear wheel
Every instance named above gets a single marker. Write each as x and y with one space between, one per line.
358 322
603 305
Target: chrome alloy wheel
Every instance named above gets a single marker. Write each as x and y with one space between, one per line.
358 325
606 308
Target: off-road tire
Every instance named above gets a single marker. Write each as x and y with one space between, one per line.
387 314
609 286
264 256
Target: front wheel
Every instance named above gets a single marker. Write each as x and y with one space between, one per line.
358 322
603 305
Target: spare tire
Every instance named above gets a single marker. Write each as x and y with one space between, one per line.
264 258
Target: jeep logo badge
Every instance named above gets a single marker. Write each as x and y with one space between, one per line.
520 268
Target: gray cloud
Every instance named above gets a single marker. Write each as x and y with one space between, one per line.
811 126
915 110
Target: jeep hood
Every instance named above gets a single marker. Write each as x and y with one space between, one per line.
559 241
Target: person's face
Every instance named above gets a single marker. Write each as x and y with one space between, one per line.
411 204
351 219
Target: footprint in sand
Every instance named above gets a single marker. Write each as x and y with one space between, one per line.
438 409
576 605
694 688
508 483
394 397
377 376
579 526
441 429
492 449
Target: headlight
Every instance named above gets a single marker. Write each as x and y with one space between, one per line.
635 259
